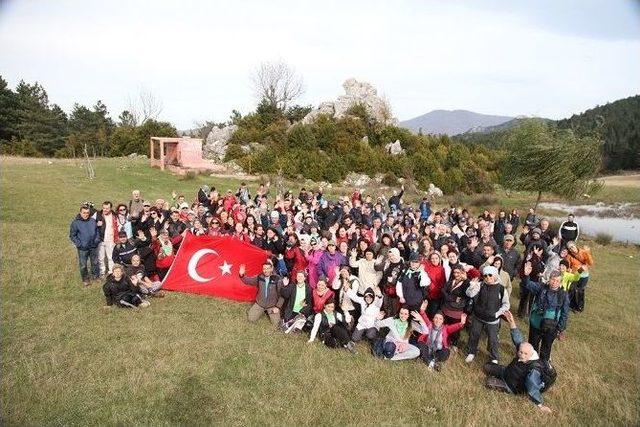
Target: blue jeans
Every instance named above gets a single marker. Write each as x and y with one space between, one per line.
84 256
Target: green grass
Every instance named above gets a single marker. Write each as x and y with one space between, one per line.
194 360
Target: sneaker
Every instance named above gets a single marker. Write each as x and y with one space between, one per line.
159 294
494 361
351 346
86 283
296 325
454 348
470 358
144 304
431 365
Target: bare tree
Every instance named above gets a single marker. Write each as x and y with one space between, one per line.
146 106
278 83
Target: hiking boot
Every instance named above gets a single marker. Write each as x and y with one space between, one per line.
470 358
351 346
494 361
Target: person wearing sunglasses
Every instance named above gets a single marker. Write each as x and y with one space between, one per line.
491 300
124 220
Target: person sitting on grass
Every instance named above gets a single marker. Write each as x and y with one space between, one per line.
268 298
524 374
120 291
298 302
549 311
396 346
145 284
330 328
434 343
370 306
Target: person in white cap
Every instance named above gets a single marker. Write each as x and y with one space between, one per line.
491 300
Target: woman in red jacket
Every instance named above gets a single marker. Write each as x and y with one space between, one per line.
434 345
435 270
294 257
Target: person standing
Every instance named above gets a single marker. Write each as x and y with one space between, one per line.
491 300
568 231
108 228
84 234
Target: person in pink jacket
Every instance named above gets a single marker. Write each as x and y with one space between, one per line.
313 256
434 344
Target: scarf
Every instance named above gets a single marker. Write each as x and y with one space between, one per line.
401 326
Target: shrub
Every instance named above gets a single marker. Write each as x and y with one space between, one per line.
390 179
603 239
234 151
189 176
484 200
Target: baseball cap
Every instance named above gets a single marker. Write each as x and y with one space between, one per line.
509 237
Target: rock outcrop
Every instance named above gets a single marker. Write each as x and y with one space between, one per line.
355 93
394 148
215 146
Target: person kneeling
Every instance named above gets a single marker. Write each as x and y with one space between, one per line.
331 329
434 343
119 291
525 374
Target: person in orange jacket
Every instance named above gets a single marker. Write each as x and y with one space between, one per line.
580 261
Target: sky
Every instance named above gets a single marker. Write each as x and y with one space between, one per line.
548 58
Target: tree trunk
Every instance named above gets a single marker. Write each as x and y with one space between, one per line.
535 208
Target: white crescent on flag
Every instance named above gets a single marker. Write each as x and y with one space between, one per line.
193 263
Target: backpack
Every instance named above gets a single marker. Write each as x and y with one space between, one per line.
548 373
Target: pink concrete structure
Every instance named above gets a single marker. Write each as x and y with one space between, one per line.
179 155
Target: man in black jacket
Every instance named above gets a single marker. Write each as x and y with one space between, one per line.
491 300
523 374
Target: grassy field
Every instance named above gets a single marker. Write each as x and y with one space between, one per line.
195 360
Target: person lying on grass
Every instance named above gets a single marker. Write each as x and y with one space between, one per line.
120 291
525 373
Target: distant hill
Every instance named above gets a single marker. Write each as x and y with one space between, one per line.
452 122
618 123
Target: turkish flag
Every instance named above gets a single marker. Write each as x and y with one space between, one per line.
209 265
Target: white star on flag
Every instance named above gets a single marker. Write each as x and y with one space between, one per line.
226 268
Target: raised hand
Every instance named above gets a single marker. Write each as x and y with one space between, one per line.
527 268
242 269
463 318
424 305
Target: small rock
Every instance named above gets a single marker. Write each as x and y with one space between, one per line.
394 148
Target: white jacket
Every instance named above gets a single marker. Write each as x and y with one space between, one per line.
369 313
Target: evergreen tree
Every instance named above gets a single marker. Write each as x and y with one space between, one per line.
543 160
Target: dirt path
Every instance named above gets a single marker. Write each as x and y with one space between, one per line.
626 180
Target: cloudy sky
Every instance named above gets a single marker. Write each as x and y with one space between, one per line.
548 58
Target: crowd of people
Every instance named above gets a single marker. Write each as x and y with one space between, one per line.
409 280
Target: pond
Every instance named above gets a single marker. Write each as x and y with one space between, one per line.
619 220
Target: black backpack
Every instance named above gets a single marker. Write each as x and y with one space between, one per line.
548 373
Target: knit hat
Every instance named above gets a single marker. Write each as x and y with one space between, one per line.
536 230
491 270
509 237
394 251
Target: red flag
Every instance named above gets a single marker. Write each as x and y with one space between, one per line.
209 265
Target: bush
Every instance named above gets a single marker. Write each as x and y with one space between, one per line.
484 200
603 239
390 179
234 151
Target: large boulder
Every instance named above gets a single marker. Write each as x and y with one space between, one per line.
394 148
355 93
354 179
434 191
215 146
